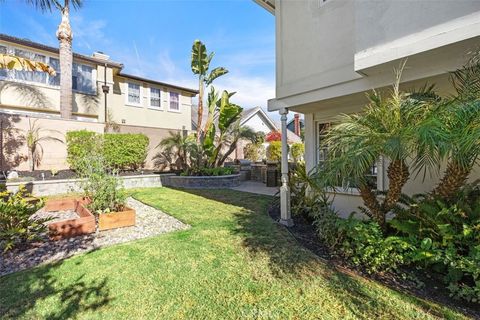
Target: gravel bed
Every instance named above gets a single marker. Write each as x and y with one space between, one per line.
149 222
55 216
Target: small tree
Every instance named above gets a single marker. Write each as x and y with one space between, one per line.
274 151
34 137
297 150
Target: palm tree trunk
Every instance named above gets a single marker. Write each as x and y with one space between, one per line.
65 37
200 110
453 179
374 208
398 175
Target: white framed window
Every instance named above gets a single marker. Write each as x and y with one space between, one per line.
155 98
3 72
134 94
372 175
55 80
30 76
174 103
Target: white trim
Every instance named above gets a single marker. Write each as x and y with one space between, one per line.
265 116
453 31
149 97
131 104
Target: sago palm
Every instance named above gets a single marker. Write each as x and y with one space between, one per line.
387 127
65 37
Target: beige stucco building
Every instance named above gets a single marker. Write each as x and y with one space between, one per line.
330 52
131 100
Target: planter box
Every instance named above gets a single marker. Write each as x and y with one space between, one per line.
113 220
72 227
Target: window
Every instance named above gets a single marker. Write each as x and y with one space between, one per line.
155 98
82 78
3 72
54 80
174 101
133 94
32 76
322 156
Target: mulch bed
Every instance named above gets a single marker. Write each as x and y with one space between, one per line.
70 174
304 232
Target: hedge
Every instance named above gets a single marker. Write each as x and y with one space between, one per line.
125 150
121 151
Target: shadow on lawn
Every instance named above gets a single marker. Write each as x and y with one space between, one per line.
20 292
287 258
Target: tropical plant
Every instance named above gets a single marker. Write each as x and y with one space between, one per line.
65 37
388 128
457 134
179 145
200 63
18 225
235 133
17 63
34 137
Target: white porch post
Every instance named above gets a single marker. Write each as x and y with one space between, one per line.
285 214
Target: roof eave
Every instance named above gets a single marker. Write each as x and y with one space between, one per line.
268 5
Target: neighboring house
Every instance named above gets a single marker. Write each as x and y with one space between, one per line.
131 100
331 52
296 125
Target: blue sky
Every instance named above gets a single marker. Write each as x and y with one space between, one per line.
153 38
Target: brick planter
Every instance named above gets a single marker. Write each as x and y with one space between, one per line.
71 227
113 220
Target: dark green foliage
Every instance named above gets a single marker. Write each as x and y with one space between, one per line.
125 150
79 144
446 237
17 226
122 151
218 171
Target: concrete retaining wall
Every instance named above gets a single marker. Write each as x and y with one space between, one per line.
53 187
194 182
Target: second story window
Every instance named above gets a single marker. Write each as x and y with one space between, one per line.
31 76
3 72
54 80
174 101
82 78
133 94
155 98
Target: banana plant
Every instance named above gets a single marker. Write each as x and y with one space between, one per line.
10 62
200 64
228 113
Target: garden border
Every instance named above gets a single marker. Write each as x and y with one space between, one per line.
202 182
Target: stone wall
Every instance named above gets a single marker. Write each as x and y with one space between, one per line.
194 182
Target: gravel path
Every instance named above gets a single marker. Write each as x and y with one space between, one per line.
149 222
55 216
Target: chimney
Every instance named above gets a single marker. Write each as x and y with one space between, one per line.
100 56
296 124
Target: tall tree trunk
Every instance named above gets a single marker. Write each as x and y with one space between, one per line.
374 208
200 109
398 175
65 37
453 179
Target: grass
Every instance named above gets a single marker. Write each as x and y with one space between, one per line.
233 263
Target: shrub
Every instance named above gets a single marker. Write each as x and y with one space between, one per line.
297 150
446 237
218 171
17 226
274 151
125 150
254 152
79 144
273 136
102 188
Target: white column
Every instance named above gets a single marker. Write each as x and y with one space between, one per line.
285 214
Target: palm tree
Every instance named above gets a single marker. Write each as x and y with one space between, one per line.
458 137
235 133
65 37
386 128
179 145
200 63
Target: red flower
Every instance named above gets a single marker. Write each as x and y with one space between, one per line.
273 136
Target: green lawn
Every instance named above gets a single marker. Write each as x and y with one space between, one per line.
233 263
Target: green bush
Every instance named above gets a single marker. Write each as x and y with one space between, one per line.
101 187
297 150
274 151
254 152
125 150
17 226
446 238
79 144
218 171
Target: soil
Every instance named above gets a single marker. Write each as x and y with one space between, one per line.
424 287
70 174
